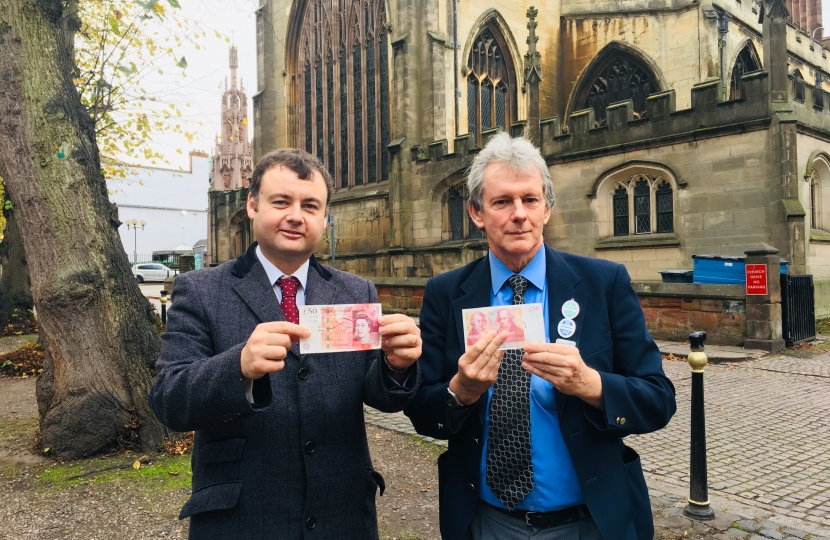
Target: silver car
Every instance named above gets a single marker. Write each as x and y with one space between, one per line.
152 272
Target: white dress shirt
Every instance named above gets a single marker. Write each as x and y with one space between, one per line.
275 273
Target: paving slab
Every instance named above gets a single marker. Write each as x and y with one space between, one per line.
716 353
768 438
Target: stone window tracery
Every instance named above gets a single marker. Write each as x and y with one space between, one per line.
619 76
344 89
644 204
747 62
460 224
491 83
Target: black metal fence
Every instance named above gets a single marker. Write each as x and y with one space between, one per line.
170 260
798 308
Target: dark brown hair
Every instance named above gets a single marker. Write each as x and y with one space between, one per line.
299 161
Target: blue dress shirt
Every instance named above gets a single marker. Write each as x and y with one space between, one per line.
555 485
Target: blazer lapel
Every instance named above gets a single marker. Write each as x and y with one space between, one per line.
258 294
477 288
319 290
562 282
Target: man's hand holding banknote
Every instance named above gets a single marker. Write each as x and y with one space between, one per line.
329 329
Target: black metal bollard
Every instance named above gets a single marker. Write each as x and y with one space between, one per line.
698 507
163 301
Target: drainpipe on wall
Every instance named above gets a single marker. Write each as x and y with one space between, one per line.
455 44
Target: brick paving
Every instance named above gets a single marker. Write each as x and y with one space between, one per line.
768 434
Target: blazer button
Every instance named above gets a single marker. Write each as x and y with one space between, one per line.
304 373
309 447
622 421
618 419
310 523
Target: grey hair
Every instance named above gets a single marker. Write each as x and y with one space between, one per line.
519 154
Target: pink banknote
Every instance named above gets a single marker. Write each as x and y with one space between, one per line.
524 323
340 328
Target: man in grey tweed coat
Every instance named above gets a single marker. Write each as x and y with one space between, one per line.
280 450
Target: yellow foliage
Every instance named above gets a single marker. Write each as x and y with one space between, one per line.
117 45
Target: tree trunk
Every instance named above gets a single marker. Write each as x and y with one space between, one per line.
15 288
98 329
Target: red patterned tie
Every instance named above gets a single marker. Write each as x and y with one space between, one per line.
288 286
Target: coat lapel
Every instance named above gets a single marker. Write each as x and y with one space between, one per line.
319 290
258 294
562 282
477 288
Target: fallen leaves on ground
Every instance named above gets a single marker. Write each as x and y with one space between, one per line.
179 447
25 362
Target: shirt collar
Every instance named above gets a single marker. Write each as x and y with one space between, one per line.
535 271
275 273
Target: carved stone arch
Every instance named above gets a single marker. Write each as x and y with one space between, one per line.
626 175
491 75
491 16
817 174
798 85
635 59
746 60
241 233
339 102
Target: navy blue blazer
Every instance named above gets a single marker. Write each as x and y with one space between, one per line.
612 338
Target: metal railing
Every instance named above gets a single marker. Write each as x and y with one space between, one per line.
798 308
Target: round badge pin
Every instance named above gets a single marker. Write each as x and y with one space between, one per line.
570 309
566 328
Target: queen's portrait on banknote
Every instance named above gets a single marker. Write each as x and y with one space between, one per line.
365 331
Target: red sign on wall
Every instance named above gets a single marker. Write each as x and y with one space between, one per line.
756 279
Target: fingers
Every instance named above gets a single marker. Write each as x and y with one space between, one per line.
401 341
488 356
286 328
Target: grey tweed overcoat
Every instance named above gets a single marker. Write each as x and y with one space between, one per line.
295 463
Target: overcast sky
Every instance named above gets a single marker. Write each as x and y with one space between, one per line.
206 72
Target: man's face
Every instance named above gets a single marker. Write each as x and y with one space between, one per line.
504 319
290 216
513 213
479 322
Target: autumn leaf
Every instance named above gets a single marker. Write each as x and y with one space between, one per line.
136 464
174 3
182 63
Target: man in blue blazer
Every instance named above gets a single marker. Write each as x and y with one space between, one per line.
536 435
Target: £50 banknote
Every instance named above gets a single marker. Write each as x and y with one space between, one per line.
524 323
340 328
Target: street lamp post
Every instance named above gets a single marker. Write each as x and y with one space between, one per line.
134 223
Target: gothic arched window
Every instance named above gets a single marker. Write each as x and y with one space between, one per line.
621 212
642 207
642 203
491 82
459 222
798 85
344 85
617 76
665 208
747 62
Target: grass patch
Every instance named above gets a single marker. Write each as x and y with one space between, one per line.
823 326
13 428
158 473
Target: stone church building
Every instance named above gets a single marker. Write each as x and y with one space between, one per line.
671 128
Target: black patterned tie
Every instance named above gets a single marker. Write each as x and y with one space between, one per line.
509 465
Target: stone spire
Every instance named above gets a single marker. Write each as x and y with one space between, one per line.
234 64
233 155
532 78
